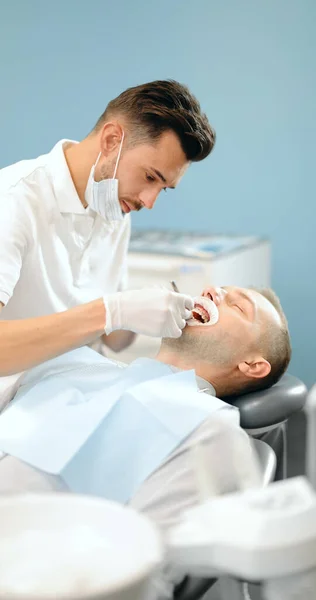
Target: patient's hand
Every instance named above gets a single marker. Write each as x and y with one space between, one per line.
214 293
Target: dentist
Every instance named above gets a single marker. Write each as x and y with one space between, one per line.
65 228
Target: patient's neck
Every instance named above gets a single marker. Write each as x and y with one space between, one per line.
204 370
175 359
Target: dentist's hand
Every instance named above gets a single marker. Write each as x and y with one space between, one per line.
152 311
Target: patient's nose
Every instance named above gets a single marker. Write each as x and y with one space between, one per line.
214 293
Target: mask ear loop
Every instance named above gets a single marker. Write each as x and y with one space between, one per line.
119 155
96 162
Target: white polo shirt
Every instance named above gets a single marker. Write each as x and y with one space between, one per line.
54 253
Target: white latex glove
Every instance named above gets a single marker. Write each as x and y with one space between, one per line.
152 311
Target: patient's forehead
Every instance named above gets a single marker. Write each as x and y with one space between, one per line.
265 308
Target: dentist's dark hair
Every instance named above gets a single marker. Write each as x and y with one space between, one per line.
154 108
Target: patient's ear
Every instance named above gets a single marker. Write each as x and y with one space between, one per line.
257 368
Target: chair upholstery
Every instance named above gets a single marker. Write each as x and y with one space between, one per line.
274 405
267 461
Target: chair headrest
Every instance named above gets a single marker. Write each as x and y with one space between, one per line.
271 406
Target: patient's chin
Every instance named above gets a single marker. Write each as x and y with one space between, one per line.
195 327
195 330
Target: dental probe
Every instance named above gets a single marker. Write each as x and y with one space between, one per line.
175 287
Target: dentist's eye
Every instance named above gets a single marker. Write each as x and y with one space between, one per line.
150 178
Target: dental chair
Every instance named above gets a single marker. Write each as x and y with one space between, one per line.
264 415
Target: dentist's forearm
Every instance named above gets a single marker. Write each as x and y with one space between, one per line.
28 342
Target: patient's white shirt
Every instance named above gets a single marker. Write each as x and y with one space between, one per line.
54 253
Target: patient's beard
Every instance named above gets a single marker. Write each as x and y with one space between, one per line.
218 350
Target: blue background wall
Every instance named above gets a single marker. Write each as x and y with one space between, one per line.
252 65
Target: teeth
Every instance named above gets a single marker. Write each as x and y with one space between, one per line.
208 311
202 312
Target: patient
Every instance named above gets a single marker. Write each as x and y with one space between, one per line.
247 349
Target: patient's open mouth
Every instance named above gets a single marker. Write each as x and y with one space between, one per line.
200 313
205 312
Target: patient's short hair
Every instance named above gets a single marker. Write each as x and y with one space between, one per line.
154 108
274 345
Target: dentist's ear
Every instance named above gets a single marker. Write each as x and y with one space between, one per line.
111 137
257 368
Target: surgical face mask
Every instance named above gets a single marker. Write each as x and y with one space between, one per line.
102 196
